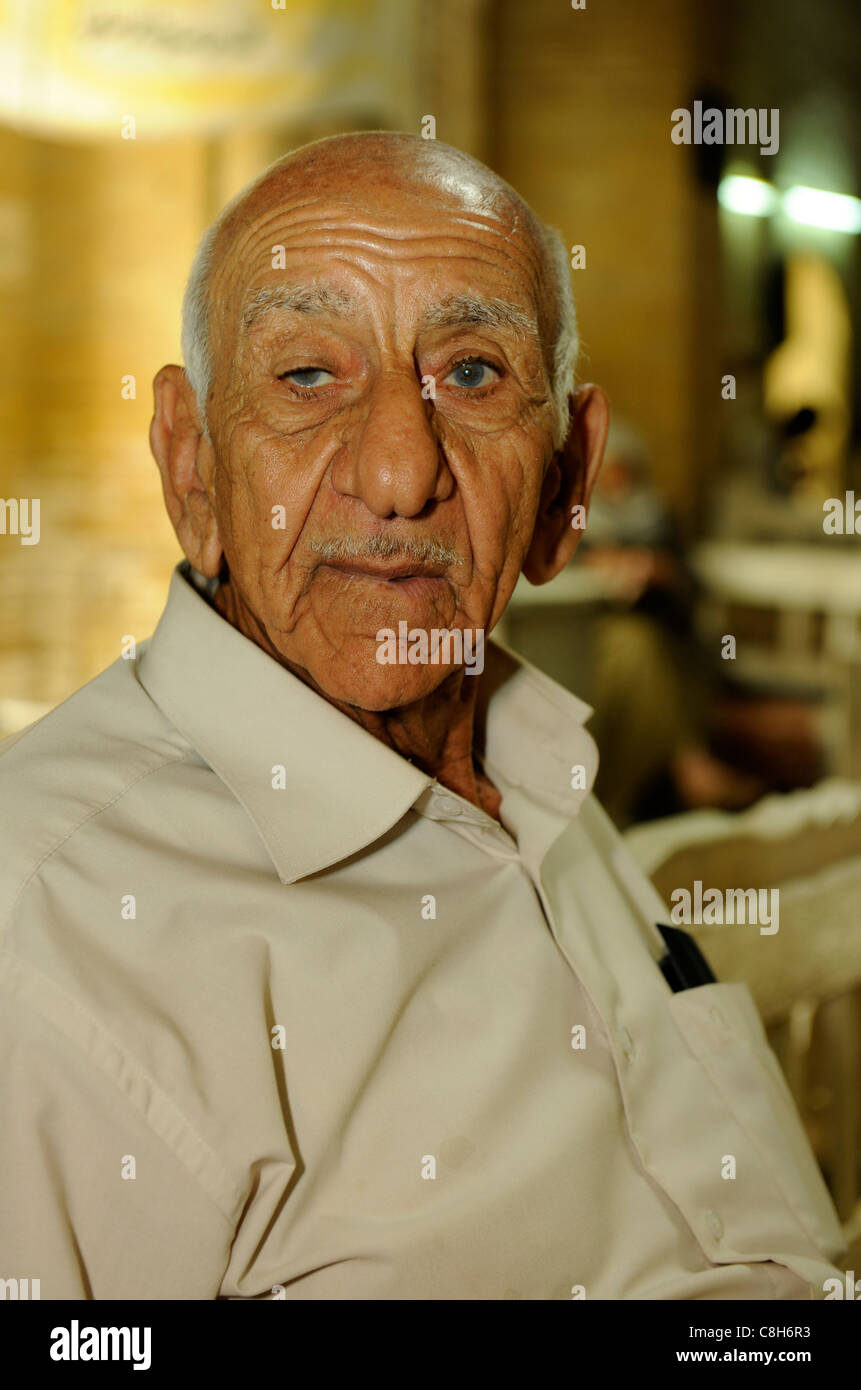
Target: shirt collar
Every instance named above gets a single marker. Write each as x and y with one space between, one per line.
246 715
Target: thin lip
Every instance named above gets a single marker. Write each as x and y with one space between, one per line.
403 571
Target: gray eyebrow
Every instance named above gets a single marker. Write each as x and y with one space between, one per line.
296 299
458 310
462 309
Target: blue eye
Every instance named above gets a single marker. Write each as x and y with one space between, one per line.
472 373
300 375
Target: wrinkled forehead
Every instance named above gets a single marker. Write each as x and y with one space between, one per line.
442 217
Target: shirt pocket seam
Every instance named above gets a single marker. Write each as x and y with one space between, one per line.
751 1044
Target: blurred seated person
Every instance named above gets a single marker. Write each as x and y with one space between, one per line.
650 689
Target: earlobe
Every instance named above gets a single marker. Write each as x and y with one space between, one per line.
183 454
568 485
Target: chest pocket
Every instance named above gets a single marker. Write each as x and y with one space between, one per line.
723 1030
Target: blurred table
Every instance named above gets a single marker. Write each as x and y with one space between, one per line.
795 576
795 612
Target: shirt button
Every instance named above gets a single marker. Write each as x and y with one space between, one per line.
714 1223
627 1044
450 807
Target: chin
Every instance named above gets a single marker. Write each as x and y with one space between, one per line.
380 688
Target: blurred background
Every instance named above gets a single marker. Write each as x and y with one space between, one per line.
712 615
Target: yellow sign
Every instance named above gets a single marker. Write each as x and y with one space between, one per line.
92 67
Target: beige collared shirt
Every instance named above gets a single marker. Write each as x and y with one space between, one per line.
283 1017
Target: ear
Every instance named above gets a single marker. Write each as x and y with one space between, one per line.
568 483
185 458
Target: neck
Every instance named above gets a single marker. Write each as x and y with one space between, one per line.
436 733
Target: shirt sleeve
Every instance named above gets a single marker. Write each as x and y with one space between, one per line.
94 1204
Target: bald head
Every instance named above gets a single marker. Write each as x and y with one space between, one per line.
352 168
346 164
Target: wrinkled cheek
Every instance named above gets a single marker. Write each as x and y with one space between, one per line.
504 511
269 504
526 501
512 527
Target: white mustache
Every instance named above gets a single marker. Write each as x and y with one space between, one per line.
426 551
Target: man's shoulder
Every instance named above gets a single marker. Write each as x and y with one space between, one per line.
74 764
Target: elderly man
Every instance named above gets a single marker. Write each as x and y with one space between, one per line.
324 975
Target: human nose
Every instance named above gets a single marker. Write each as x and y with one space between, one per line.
394 464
